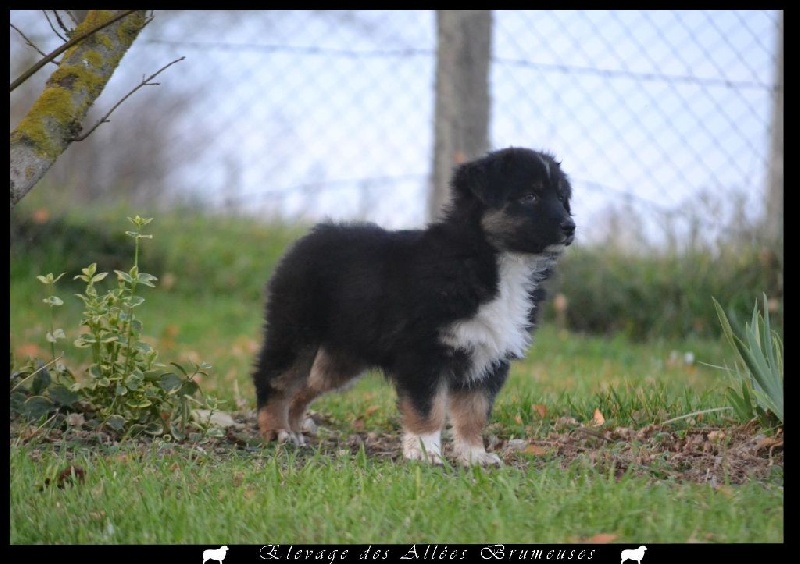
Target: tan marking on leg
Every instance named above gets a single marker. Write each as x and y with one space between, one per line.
418 423
273 423
327 372
331 371
297 409
273 418
422 436
469 414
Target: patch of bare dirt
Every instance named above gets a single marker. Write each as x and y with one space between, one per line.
710 455
702 455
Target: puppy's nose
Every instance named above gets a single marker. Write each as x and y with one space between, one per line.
568 227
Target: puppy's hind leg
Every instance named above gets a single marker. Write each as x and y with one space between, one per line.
278 378
328 372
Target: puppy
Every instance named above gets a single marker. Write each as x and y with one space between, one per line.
441 311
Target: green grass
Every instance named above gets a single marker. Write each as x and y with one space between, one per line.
194 497
212 494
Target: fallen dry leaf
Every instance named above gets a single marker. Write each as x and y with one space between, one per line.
540 409
597 418
40 215
75 419
567 421
536 450
769 442
30 350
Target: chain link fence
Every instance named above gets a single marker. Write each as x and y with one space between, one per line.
663 119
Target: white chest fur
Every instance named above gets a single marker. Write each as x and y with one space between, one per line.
499 329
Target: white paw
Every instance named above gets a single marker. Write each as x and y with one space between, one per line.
418 454
475 456
296 439
422 447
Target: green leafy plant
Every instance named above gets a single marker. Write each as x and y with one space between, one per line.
44 387
126 389
757 389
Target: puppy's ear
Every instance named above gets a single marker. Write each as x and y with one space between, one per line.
472 179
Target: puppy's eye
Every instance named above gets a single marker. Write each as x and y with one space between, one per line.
529 199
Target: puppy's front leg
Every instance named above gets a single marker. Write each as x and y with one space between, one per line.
469 411
423 418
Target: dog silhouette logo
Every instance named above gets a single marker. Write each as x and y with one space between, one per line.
217 554
633 554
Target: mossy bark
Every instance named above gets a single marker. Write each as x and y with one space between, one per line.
56 117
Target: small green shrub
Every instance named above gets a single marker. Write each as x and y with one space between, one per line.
63 242
661 294
125 390
757 371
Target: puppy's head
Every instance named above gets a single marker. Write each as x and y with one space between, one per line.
522 200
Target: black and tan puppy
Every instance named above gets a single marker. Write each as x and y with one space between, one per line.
441 311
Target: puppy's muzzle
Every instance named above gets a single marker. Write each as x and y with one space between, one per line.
568 230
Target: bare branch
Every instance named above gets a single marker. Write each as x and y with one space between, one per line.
61 24
29 42
47 16
77 39
145 82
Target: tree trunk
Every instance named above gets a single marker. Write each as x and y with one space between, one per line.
461 111
56 116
